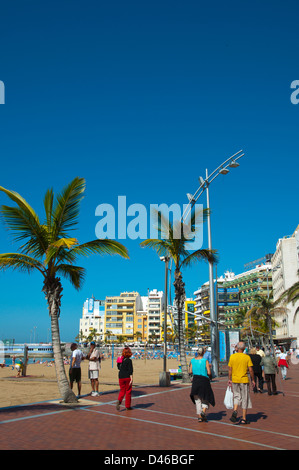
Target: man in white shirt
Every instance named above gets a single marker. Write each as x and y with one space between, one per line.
94 368
75 367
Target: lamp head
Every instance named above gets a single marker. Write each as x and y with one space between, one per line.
234 164
224 171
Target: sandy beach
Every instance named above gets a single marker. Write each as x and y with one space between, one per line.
40 383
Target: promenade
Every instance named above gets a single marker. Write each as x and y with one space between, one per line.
162 419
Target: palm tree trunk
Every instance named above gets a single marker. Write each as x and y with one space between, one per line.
53 290
180 299
269 321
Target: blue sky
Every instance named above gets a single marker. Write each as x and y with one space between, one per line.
139 98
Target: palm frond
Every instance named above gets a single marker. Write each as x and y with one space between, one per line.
48 205
200 255
59 248
66 210
20 201
74 274
162 247
290 295
24 224
19 262
102 247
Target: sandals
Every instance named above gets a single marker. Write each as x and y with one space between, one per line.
202 418
233 419
243 421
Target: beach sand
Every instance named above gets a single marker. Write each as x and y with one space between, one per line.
40 382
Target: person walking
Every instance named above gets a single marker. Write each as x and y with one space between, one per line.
94 369
125 377
75 367
207 355
201 391
257 369
270 368
283 363
238 366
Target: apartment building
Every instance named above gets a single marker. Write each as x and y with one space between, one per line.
202 299
126 315
246 286
93 318
285 263
141 321
189 311
120 312
155 307
234 292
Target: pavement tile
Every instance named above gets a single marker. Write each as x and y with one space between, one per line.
162 419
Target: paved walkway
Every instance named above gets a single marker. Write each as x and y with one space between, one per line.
162 419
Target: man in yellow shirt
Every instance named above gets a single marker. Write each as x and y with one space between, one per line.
238 366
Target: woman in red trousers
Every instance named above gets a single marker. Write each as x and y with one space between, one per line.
125 377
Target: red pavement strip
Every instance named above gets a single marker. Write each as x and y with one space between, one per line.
162 419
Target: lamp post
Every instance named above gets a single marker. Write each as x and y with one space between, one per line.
213 310
223 169
165 376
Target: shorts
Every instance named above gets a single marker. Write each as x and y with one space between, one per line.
241 395
75 374
93 374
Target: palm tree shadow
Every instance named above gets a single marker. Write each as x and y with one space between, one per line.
143 405
216 416
40 407
253 418
137 393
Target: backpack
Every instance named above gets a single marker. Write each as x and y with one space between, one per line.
119 361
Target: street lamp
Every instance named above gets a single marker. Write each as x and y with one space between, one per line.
165 376
223 169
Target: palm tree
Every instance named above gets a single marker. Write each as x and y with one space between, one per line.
80 337
93 335
239 317
172 334
48 248
191 333
262 315
108 335
137 335
291 295
121 339
175 248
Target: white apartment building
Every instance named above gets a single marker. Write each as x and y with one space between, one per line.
154 307
285 265
93 318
